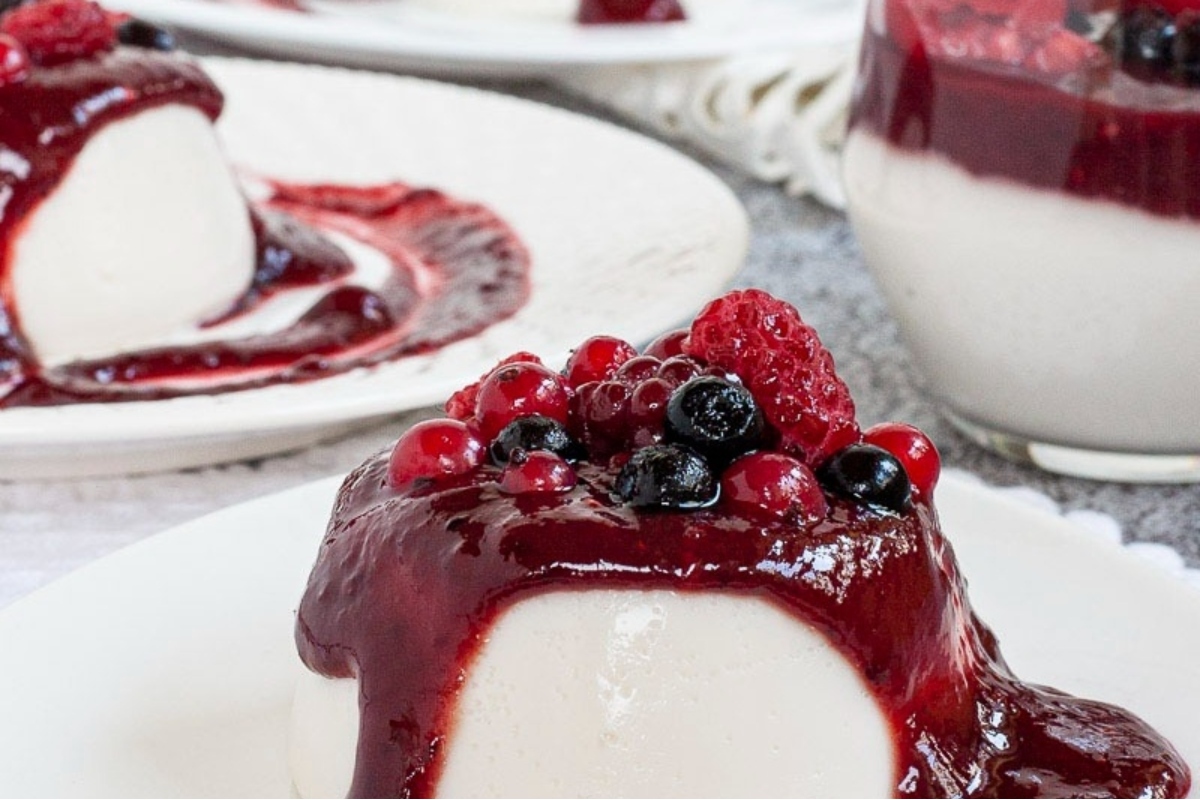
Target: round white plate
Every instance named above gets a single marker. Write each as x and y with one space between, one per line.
167 669
627 237
417 35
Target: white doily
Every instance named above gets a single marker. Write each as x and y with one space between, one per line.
780 117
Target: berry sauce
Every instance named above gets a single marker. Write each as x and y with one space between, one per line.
408 582
1088 129
457 267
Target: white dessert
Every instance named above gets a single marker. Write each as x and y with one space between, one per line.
147 233
629 693
1034 312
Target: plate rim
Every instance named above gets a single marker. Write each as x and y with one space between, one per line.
353 39
25 609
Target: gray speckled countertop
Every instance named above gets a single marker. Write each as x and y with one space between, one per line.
800 251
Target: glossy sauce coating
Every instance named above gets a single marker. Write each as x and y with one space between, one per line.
1104 135
407 584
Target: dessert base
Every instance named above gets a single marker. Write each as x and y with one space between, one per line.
1036 315
1080 462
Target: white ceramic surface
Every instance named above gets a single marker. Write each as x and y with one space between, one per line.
395 34
167 669
627 237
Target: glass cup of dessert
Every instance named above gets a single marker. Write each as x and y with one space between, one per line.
1023 179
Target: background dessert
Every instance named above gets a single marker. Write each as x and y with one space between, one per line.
136 269
719 477
1020 168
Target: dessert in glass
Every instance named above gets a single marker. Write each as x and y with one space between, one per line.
681 572
1022 177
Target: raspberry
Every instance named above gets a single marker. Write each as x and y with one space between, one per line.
58 31
461 404
597 359
784 365
535 472
775 485
432 449
519 390
916 452
14 61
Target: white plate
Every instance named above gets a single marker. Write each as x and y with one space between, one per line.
402 34
167 669
627 237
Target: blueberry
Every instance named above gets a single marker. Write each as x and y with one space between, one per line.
534 432
667 476
867 474
1148 36
716 417
1185 51
139 33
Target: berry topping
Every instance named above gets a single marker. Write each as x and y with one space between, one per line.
668 345
867 474
58 31
461 404
916 452
774 484
1148 35
519 390
592 12
597 359
667 476
648 410
678 370
14 61
433 449
139 33
717 418
535 472
783 364
532 433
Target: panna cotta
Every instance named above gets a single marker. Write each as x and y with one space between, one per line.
83 287
679 572
135 268
627 684
1019 180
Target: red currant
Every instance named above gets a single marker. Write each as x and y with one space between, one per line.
597 359
639 369
536 471
913 449
519 390
678 370
432 449
461 404
774 484
14 61
668 345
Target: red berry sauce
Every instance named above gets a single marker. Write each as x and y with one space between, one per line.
476 263
408 583
413 573
610 12
1065 117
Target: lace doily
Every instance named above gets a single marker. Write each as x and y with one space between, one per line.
780 117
